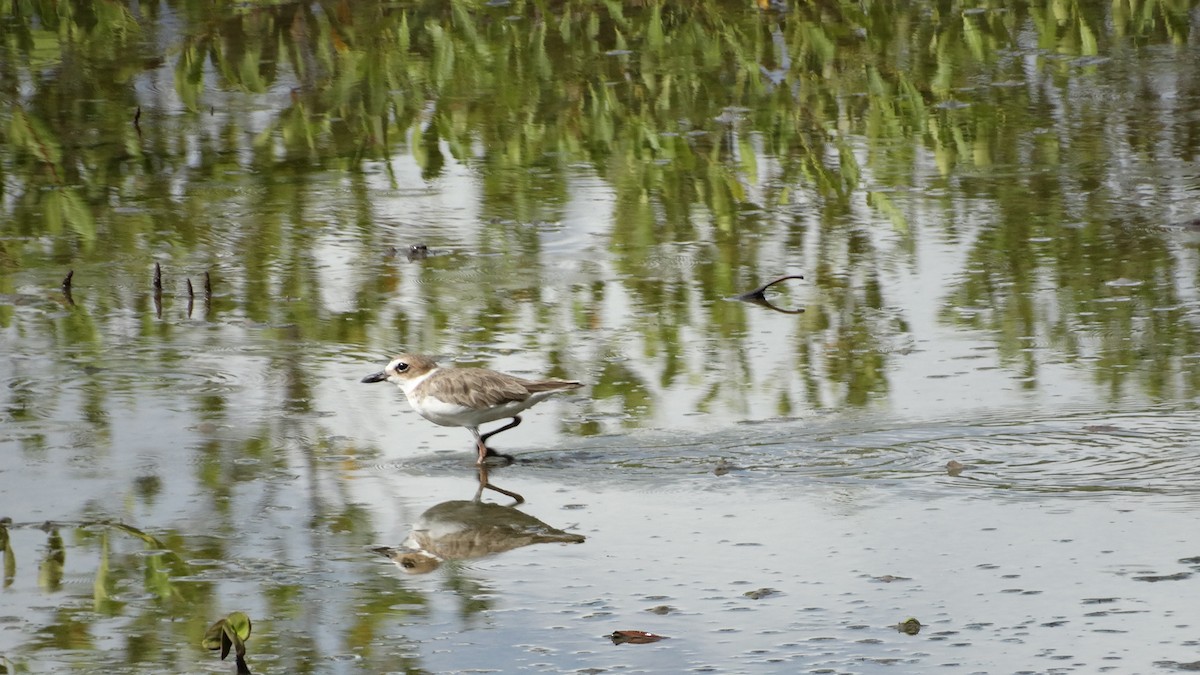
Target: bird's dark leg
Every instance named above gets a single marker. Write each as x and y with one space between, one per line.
488 452
515 421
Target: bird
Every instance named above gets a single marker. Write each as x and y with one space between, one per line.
467 397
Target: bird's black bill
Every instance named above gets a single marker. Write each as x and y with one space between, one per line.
375 377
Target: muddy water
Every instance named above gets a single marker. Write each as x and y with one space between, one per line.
983 420
1059 546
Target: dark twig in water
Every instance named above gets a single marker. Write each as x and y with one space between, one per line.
137 116
207 296
191 293
758 295
66 287
157 290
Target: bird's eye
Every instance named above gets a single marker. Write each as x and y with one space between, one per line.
401 367
408 564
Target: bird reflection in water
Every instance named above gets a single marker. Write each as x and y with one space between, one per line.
470 529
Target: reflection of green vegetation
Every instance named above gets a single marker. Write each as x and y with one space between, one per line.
141 589
1116 302
839 134
620 381
699 117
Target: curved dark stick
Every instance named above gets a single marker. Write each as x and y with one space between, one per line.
758 295
66 287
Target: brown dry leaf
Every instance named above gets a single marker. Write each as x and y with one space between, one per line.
634 637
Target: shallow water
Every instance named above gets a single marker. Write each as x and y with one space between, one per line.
984 420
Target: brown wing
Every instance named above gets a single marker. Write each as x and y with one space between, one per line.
482 388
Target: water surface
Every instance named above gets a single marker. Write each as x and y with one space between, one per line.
984 418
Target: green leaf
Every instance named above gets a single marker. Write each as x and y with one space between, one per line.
228 633
213 636
240 624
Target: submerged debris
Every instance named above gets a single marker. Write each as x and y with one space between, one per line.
157 290
760 593
1155 578
66 287
724 466
634 637
758 295
412 252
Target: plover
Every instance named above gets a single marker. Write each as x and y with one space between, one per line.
467 397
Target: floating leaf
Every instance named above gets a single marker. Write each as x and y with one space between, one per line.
229 633
634 637
240 624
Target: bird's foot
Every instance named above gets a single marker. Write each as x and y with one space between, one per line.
491 454
488 455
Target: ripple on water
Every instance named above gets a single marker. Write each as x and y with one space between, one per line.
1082 454
1132 453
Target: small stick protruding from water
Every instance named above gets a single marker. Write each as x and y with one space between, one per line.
207 296
157 290
191 293
758 295
137 116
66 287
